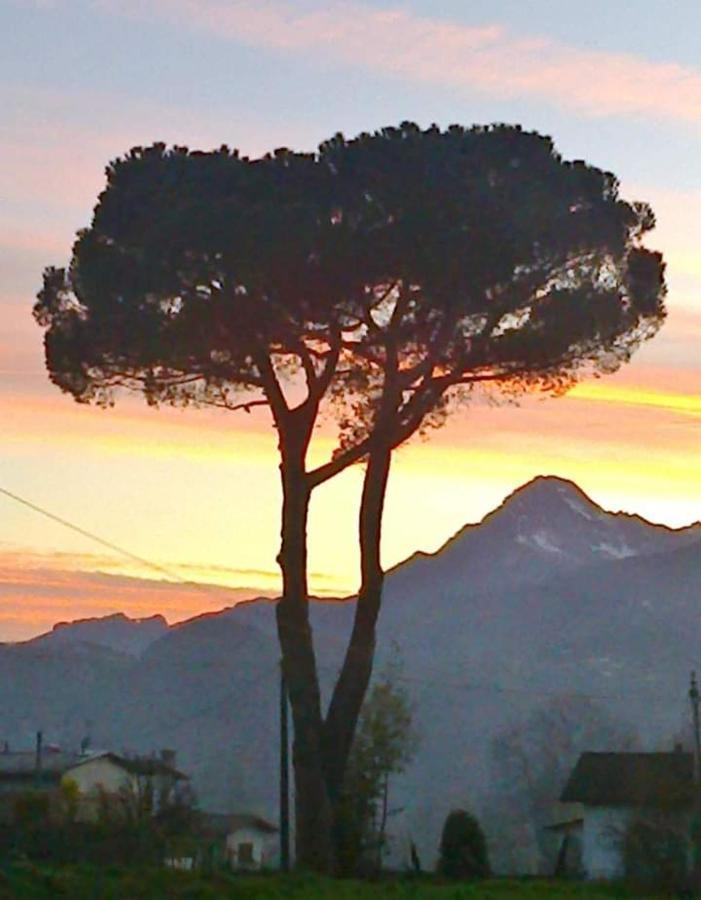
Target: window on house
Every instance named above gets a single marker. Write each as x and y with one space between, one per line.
245 854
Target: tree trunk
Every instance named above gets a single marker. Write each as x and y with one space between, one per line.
350 689
313 816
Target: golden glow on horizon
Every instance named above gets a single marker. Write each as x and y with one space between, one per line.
688 404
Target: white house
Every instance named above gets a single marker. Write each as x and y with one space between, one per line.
247 841
138 784
607 791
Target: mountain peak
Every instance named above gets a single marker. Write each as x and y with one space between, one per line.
551 485
545 494
547 526
117 631
113 619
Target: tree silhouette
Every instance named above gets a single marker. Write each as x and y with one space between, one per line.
463 848
384 744
384 279
531 762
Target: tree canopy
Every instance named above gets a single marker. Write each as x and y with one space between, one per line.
452 257
463 848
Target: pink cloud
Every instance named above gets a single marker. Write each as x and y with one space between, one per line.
38 589
33 600
419 48
56 145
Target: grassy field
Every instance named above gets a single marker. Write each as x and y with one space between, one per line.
78 883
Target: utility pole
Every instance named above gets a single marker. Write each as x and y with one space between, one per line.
695 697
284 776
38 757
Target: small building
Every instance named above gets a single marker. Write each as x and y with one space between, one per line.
613 790
241 840
28 774
132 786
96 782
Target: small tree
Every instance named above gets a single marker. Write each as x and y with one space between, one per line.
463 851
531 762
385 743
69 800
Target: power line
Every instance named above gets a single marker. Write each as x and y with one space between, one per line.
90 535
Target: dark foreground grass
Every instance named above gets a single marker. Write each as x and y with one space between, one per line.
89 883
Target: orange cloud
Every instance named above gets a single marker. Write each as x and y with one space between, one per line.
39 588
492 59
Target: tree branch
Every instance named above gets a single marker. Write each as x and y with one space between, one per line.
246 406
338 463
324 379
271 386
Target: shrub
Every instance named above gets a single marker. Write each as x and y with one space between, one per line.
655 850
463 851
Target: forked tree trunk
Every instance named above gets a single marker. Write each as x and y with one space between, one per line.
352 684
313 815
321 749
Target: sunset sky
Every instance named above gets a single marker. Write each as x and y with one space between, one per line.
196 493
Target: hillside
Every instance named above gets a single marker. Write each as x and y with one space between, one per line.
549 594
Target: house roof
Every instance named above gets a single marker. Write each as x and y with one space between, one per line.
565 817
631 779
22 765
226 823
138 765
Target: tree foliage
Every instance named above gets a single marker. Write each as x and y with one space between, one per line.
471 254
655 848
385 743
531 762
463 850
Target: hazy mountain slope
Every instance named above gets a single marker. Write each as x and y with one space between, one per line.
548 594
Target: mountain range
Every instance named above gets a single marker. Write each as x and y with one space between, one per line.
549 595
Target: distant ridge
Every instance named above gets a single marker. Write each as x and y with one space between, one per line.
117 631
545 497
550 594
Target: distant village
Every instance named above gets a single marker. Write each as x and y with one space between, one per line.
620 814
48 787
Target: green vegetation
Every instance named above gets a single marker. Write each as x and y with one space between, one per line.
19 881
385 742
463 847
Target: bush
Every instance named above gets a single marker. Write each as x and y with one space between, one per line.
655 851
463 852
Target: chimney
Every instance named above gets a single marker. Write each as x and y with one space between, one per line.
168 757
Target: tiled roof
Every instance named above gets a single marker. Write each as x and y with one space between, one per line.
23 765
227 823
631 779
138 765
